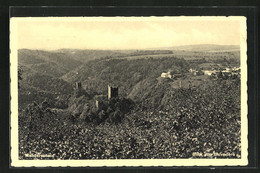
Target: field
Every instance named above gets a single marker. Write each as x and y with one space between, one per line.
188 116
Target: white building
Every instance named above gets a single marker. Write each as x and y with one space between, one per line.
191 70
235 68
209 72
227 70
167 75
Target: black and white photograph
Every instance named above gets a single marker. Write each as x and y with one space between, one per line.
128 91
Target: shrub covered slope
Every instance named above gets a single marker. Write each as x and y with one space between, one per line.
151 118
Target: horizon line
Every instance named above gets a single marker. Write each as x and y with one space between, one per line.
152 48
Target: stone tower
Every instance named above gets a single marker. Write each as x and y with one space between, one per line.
78 85
112 92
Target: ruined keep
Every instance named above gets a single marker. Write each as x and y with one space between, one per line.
112 92
78 85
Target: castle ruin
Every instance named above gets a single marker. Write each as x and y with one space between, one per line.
112 92
78 85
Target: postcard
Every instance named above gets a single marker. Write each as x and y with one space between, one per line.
128 91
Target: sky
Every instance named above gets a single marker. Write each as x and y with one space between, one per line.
125 32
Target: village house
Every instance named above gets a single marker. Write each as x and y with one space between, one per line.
167 75
191 70
227 70
236 69
218 72
198 72
209 72
195 72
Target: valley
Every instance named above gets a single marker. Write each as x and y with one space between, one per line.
152 117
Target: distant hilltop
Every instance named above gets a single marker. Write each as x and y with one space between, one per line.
202 47
197 47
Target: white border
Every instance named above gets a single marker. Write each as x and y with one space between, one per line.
15 162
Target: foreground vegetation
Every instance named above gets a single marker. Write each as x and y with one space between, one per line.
192 123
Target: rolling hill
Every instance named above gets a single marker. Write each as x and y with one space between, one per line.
40 75
56 71
203 47
97 74
46 62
